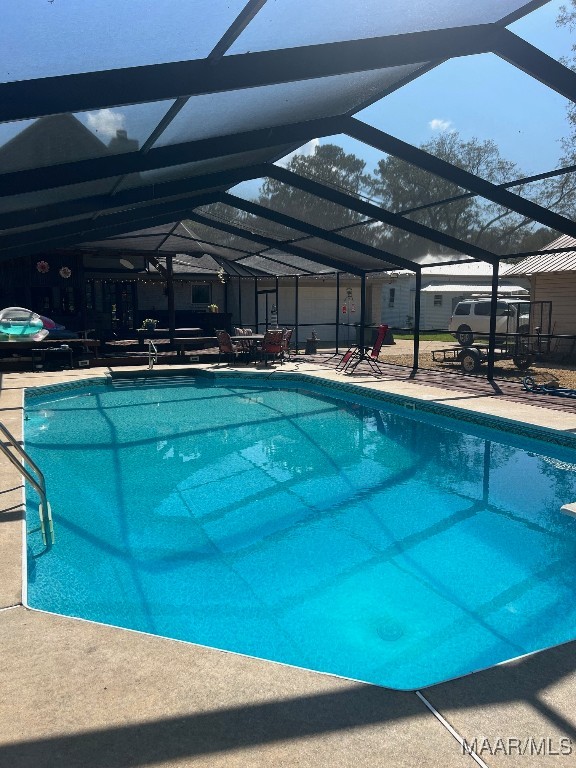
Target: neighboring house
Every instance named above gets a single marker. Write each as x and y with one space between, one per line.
553 278
442 288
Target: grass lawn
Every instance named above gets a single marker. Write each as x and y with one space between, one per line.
427 336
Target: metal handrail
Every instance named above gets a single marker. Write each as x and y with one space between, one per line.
152 355
44 510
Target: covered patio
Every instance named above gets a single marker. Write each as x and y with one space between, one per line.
259 101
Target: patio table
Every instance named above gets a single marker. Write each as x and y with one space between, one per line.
250 343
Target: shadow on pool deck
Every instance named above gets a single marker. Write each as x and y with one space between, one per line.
326 727
218 730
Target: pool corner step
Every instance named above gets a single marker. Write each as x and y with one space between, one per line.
569 509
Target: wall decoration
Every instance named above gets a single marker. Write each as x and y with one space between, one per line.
42 266
65 272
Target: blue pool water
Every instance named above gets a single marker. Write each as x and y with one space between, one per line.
362 540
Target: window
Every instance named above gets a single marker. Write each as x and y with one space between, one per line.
503 309
391 296
89 293
437 299
200 296
462 309
482 308
54 301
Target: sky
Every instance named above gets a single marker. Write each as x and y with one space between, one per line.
484 97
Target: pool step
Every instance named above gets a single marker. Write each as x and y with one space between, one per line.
569 509
176 380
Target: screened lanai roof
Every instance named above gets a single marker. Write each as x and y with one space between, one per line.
117 120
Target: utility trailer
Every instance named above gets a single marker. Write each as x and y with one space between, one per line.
524 333
511 346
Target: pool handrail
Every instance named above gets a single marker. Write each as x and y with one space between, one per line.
39 483
152 355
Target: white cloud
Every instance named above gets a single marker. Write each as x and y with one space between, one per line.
438 124
307 149
106 122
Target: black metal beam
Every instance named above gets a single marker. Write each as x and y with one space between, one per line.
275 260
80 171
235 29
535 63
380 214
65 235
524 10
25 99
323 234
303 253
427 162
506 185
149 193
156 264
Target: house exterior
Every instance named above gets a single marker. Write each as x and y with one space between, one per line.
552 278
442 288
111 293
319 303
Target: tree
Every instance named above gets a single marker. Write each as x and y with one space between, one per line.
567 18
404 188
220 213
329 165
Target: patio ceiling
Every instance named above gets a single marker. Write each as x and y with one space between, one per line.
216 100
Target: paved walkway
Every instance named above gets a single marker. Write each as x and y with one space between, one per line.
77 694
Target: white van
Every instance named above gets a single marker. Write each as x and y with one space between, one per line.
472 317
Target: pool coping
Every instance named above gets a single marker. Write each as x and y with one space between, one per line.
505 424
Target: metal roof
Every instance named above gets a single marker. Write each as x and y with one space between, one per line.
113 127
471 288
564 261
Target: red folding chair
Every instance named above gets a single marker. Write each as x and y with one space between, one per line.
354 356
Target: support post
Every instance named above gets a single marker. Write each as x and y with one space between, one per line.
296 320
337 311
170 294
417 296
277 302
493 308
240 302
362 312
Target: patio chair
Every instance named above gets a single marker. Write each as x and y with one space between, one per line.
272 344
355 354
226 347
286 351
246 345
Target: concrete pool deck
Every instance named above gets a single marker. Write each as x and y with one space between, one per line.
81 694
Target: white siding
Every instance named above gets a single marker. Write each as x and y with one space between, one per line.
560 289
431 317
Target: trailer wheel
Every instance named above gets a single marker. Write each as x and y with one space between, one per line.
464 336
522 362
470 360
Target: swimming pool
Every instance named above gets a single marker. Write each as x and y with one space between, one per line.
303 525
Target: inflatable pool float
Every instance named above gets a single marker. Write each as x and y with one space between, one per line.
19 324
